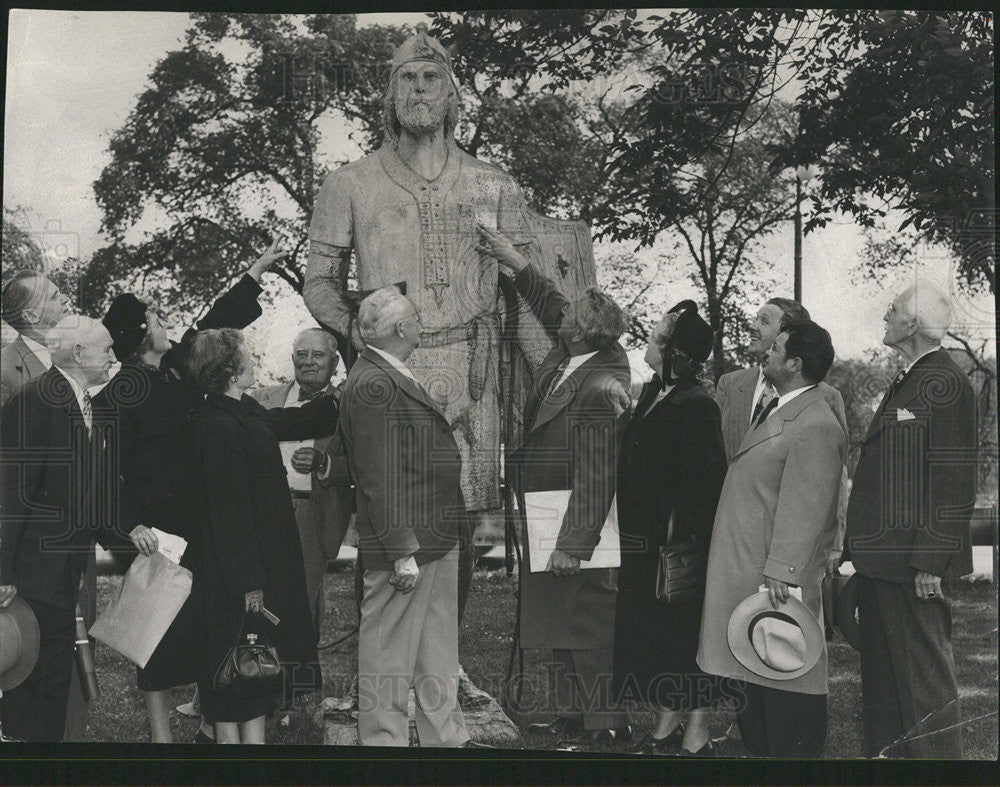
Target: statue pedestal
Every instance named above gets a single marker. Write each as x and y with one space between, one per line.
485 721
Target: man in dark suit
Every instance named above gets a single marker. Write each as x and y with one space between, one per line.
406 465
318 476
907 530
575 418
51 508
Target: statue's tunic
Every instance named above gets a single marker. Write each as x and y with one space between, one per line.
403 227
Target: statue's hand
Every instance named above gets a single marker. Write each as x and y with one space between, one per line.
500 248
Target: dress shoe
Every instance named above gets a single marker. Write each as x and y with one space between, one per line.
708 750
561 726
471 744
663 746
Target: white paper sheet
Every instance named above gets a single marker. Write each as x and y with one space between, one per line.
544 512
170 546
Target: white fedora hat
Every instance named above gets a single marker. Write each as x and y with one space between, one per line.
780 644
19 640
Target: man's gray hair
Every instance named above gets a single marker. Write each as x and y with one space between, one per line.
601 320
329 338
931 307
66 334
380 312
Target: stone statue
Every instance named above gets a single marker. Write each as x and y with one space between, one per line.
409 213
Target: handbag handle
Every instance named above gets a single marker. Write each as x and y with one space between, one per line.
670 527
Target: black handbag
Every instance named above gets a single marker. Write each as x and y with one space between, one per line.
681 570
251 667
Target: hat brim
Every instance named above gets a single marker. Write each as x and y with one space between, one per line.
742 648
846 607
27 628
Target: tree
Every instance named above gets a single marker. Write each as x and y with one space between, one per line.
898 111
19 249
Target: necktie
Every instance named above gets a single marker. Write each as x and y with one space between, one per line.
88 412
766 412
766 397
305 397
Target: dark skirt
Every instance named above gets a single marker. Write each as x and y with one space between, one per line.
177 658
655 649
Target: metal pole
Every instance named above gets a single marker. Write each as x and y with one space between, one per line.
798 239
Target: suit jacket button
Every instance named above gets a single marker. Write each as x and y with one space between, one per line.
791 569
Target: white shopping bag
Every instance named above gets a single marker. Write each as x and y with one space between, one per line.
152 593
544 512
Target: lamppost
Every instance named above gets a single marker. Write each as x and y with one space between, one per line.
803 174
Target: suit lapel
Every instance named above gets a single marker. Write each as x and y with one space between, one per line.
557 401
908 390
544 378
31 367
775 423
403 382
746 384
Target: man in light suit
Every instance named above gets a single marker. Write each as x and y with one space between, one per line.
32 305
407 469
774 526
317 469
51 508
575 418
742 395
907 530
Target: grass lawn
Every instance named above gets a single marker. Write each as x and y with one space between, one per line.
119 713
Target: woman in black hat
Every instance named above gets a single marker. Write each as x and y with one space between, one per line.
152 406
672 465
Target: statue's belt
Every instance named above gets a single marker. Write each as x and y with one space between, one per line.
476 333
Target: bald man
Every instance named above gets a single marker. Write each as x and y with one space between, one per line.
49 511
908 529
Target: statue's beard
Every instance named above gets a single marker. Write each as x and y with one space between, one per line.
420 116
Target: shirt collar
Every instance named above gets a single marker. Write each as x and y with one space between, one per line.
922 355
41 352
78 392
396 363
787 397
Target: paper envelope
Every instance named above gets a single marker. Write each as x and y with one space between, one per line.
544 512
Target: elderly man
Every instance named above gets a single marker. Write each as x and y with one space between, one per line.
575 419
407 468
32 305
317 469
908 529
775 526
51 453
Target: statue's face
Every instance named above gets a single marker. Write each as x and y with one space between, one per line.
422 93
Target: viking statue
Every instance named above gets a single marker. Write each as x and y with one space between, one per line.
408 212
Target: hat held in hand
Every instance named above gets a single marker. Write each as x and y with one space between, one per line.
19 641
780 644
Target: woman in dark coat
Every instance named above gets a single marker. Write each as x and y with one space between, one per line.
251 552
673 463
152 408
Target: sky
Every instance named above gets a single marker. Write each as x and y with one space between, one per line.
72 78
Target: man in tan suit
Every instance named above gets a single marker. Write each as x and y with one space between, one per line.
775 526
742 395
317 469
407 468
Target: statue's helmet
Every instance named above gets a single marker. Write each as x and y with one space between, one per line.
419 47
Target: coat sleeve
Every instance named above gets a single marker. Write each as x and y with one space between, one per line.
702 466
545 300
315 418
226 481
24 432
366 436
836 402
595 433
808 492
950 467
